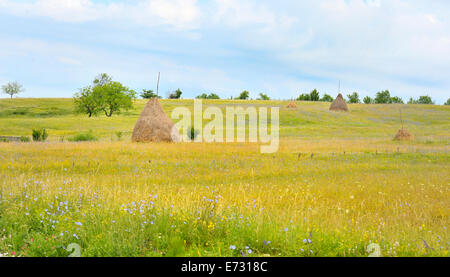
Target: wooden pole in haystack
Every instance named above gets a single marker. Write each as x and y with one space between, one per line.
157 85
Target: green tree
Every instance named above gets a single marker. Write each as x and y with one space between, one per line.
86 102
147 94
368 100
263 96
244 95
102 79
202 96
353 98
176 94
448 102
396 100
12 88
422 100
383 97
206 96
425 100
213 96
304 97
326 98
113 97
314 95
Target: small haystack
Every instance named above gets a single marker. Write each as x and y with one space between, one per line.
339 104
153 125
291 105
403 134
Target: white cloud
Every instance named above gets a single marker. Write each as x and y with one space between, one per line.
181 14
368 44
69 61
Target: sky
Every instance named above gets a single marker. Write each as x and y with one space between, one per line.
282 48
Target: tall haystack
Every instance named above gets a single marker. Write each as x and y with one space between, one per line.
291 105
403 134
339 104
153 125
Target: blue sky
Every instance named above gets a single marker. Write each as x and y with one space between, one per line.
281 48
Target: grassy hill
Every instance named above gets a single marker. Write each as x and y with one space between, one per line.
338 183
311 120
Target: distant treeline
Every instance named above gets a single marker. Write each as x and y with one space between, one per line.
381 97
104 95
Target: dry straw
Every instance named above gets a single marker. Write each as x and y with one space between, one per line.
153 125
403 134
291 105
339 104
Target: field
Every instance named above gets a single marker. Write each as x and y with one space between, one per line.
338 183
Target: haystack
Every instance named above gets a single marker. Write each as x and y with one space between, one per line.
291 105
403 134
339 104
153 125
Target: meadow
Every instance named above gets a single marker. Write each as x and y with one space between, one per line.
338 183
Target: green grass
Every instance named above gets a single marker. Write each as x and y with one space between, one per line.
87 136
350 186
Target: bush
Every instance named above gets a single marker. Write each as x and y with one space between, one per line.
368 100
396 100
326 98
148 94
353 98
176 94
448 102
263 96
304 97
24 139
314 95
192 133
383 97
87 136
206 96
39 134
119 135
244 95
422 100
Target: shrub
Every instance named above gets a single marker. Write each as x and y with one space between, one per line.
383 97
353 98
147 94
448 102
396 100
119 135
24 139
368 100
39 134
263 96
206 96
314 95
176 94
326 98
192 133
87 136
244 95
422 100
304 97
